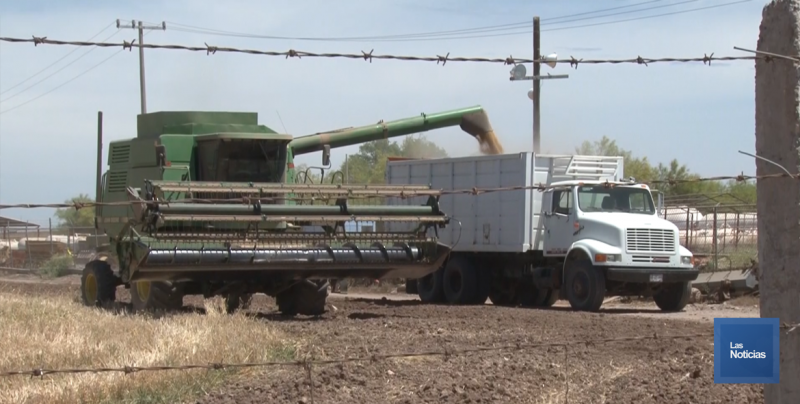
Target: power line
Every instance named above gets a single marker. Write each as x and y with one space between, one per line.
423 35
59 70
68 81
54 63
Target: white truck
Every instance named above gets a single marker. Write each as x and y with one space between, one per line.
589 235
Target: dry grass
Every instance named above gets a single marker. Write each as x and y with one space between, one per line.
56 332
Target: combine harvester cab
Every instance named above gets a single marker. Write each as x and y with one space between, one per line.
205 203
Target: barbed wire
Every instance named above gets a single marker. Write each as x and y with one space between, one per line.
401 194
369 56
445 353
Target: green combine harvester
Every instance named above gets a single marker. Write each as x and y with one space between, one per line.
208 203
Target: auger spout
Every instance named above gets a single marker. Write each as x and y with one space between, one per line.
472 120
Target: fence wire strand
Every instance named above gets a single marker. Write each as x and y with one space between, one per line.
369 56
376 357
402 195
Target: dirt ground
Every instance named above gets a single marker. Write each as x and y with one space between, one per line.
363 325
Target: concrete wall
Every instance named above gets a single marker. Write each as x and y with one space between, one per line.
777 138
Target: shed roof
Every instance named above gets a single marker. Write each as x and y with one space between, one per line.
11 223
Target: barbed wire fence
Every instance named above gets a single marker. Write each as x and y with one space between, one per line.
307 364
370 56
366 195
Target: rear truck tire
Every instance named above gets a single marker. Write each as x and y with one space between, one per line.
673 296
585 286
502 292
98 284
234 302
528 295
484 287
411 287
460 281
305 297
552 298
430 288
155 296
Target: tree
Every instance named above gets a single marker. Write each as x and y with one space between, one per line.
368 166
635 167
71 217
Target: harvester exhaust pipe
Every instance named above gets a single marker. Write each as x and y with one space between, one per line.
477 124
99 173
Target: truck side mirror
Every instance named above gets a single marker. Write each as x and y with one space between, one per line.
326 155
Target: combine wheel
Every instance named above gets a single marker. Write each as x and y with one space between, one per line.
411 286
430 287
98 284
237 301
305 297
461 280
586 286
673 296
155 296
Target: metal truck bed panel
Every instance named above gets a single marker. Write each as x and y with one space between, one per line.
505 221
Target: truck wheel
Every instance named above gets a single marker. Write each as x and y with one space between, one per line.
673 296
411 287
430 287
484 287
502 292
460 281
552 298
305 297
155 296
98 284
528 295
586 286
237 301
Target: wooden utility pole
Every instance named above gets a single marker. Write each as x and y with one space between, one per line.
141 27
536 94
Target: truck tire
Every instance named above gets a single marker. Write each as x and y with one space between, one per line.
98 284
460 281
552 298
155 296
430 287
673 296
585 286
502 292
528 295
305 297
411 287
484 287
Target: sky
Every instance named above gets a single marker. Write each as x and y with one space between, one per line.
697 114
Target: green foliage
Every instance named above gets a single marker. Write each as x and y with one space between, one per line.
741 193
368 166
56 266
71 217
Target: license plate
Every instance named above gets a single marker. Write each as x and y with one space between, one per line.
656 278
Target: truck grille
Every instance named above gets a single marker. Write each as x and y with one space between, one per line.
650 240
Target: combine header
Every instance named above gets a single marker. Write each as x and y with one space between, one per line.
206 203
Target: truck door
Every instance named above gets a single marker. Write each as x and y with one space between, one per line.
558 223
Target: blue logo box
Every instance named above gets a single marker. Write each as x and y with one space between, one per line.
747 350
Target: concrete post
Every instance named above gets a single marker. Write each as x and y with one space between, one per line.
777 120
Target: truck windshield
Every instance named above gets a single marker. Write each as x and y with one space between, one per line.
615 199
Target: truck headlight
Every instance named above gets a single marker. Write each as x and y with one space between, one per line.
687 260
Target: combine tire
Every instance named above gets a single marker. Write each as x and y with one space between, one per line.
411 287
155 296
304 297
586 286
98 284
236 301
430 287
673 296
460 281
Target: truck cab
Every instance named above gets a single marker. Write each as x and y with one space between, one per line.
609 240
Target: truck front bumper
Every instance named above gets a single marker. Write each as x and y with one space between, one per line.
651 275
